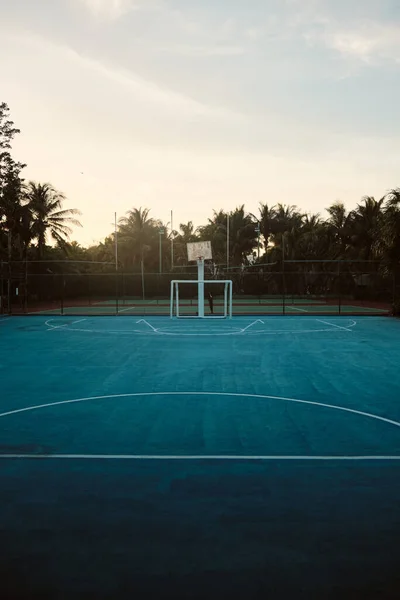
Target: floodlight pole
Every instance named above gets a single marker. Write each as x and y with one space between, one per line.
258 240
172 242
116 243
160 232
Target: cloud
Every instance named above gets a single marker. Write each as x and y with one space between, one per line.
365 40
111 9
373 43
143 90
204 51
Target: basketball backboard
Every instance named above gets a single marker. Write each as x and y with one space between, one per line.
199 249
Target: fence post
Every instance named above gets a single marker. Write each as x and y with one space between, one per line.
62 292
116 292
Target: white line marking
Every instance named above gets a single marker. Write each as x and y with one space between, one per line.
194 457
209 333
133 307
147 323
51 327
332 325
254 323
295 308
229 394
62 326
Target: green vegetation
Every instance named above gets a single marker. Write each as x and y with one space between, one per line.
32 214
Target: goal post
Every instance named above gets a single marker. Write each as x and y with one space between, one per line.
182 306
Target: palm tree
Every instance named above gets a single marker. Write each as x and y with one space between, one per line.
267 216
367 220
242 235
15 218
136 231
390 231
48 217
216 232
187 233
340 224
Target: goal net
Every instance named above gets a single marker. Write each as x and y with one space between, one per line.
201 299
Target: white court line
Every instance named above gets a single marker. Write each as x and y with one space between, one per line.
126 309
333 325
295 308
251 324
147 323
196 457
51 327
224 394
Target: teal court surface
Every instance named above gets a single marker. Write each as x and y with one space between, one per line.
253 457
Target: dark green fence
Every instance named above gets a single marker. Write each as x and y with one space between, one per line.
294 288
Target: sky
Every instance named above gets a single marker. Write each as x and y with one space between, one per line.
195 105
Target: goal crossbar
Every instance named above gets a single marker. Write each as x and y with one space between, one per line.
174 296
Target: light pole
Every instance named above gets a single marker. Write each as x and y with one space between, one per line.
257 230
161 233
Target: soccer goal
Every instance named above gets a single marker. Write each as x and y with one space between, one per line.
187 296
191 298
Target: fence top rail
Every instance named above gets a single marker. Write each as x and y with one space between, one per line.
84 262
336 261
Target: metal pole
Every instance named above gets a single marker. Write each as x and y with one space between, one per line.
9 272
116 243
160 257
283 275
227 241
172 242
258 241
160 233
200 286
116 265
142 268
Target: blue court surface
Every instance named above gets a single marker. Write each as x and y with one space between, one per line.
158 458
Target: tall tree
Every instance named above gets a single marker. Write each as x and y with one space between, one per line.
48 216
390 231
136 231
13 218
366 225
340 224
187 234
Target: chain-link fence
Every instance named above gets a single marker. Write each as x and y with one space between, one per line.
296 288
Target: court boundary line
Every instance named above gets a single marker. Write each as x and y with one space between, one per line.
224 394
239 331
201 457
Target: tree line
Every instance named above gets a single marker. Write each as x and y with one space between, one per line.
32 215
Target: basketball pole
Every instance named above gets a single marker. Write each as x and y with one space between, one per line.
200 286
227 241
